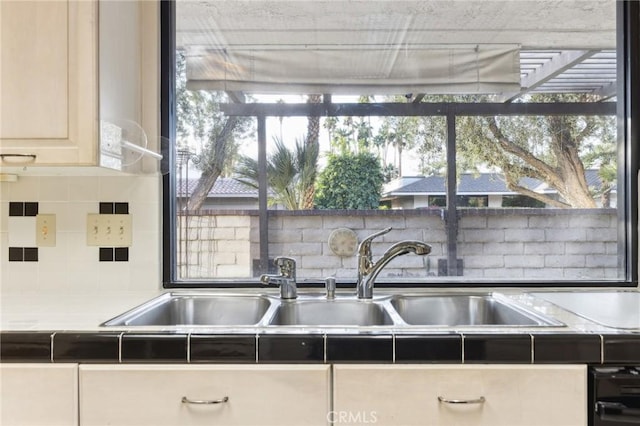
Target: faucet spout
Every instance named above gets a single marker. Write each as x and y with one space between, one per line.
368 270
286 279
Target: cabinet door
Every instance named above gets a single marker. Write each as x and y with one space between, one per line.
38 394
496 395
48 75
249 395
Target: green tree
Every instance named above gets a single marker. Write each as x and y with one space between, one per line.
200 122
350 181
554 149
289 173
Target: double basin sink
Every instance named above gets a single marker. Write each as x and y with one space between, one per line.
188 309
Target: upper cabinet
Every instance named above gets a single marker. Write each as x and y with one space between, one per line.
79 84
49 82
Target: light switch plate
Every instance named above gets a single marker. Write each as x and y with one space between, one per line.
46 230
109 230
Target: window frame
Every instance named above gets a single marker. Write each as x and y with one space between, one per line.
627 112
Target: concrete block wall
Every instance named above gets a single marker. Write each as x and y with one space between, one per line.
492 243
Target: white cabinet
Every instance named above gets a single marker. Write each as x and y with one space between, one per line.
247 394
48 81
510 395
38 394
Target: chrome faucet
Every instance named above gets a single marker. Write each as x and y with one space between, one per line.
368 270
286 278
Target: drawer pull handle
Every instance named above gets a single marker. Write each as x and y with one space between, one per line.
480 400
18 158
186 400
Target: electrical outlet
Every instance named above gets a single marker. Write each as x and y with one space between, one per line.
109 230
46 230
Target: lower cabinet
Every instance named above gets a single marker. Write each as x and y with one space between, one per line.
38 394
204 395
293 394
509 395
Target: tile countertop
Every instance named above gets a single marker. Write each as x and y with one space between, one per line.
59 327
62 311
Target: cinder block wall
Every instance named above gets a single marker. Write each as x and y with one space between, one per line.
492 243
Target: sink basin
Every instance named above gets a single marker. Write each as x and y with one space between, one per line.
195 309
465 310
331 313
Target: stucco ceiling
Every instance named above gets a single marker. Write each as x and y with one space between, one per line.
561 34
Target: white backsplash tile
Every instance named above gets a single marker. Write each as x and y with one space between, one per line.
72 265
22 231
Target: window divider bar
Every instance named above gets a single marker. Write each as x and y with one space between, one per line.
262 195
451 218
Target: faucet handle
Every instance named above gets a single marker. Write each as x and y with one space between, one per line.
364 249
286 266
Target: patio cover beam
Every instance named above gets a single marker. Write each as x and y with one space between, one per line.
556 66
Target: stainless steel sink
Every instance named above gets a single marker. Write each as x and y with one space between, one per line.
331 313
176 309
465 310
209 309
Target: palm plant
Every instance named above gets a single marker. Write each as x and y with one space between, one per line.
289 173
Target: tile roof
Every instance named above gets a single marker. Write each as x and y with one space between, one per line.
471 183
223 187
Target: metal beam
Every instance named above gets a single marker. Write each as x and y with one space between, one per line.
451 217
411 109
263 224
557 65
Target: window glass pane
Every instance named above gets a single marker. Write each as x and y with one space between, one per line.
485 129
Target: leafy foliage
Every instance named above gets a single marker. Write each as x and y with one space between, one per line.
204 131
555 149
350 181
289 173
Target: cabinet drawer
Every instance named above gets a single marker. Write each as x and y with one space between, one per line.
38 394
152 395
513 395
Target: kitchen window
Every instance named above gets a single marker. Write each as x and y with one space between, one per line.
500 133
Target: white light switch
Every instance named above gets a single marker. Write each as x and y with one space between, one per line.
46 230
109 230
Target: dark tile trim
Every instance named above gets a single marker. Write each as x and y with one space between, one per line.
121 208
121 254
228 348
291 348
114 347
31 209
105 208
105 254
360 348
16 209
621 349
566 349
428 348
497 348
113 208
23 254
153 348
16 254
86 347
25 346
